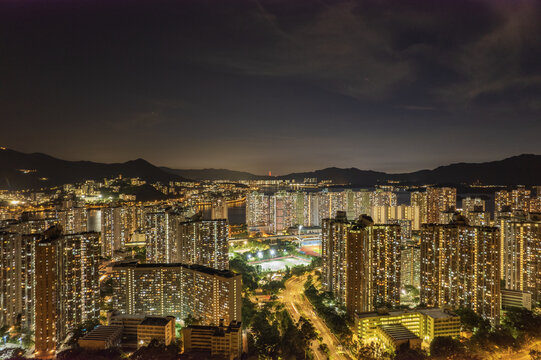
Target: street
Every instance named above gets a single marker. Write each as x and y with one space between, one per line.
297 305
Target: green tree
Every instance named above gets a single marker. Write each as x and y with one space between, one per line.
471 321
266 335
445 345
248 311
519 320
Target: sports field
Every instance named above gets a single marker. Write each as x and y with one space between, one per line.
281 263
312 250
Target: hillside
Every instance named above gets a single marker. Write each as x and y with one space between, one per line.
31 171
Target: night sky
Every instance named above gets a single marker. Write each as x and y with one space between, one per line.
281 85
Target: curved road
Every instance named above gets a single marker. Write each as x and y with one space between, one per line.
297 305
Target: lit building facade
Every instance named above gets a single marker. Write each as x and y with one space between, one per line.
204 242
514 200
460 266
221 341
361 262
439 200
178 290
66 286
411 265
521 256
426 324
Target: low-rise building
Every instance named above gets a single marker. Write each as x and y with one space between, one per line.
157 328
140 330
101 338
395 336
218 341
425 324
516 299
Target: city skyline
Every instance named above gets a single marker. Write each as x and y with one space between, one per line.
270 179
268 173
258 86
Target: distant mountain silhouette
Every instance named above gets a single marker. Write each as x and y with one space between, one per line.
214 174
517 170
58 172
522 169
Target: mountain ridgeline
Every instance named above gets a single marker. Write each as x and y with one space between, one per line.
33 171
517 170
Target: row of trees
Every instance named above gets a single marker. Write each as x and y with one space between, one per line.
332 313
274 334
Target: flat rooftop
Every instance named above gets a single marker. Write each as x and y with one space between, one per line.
435 313
398 332
200 268
155 321
103 333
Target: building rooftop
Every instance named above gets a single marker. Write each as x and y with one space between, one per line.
435 313
398 332
200 268
102 333
155 321
219 330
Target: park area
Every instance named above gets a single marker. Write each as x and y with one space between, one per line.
279 264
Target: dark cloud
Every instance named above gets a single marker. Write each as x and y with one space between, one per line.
275 85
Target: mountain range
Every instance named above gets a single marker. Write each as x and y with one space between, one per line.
32 171
523 169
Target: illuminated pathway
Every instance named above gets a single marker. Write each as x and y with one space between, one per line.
296 304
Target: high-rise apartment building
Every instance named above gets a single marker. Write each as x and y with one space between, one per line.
460 266
204 242
218 209
333 252
521 256
411 265
361 262
389 214
514 200
79 285
162 234
118 223
472 204
420 200
66 286
474 209
178 290
439 200
74 220
47 322
258 210
383 198
277 212
283 212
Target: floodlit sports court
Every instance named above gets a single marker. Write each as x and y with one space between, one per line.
281 263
